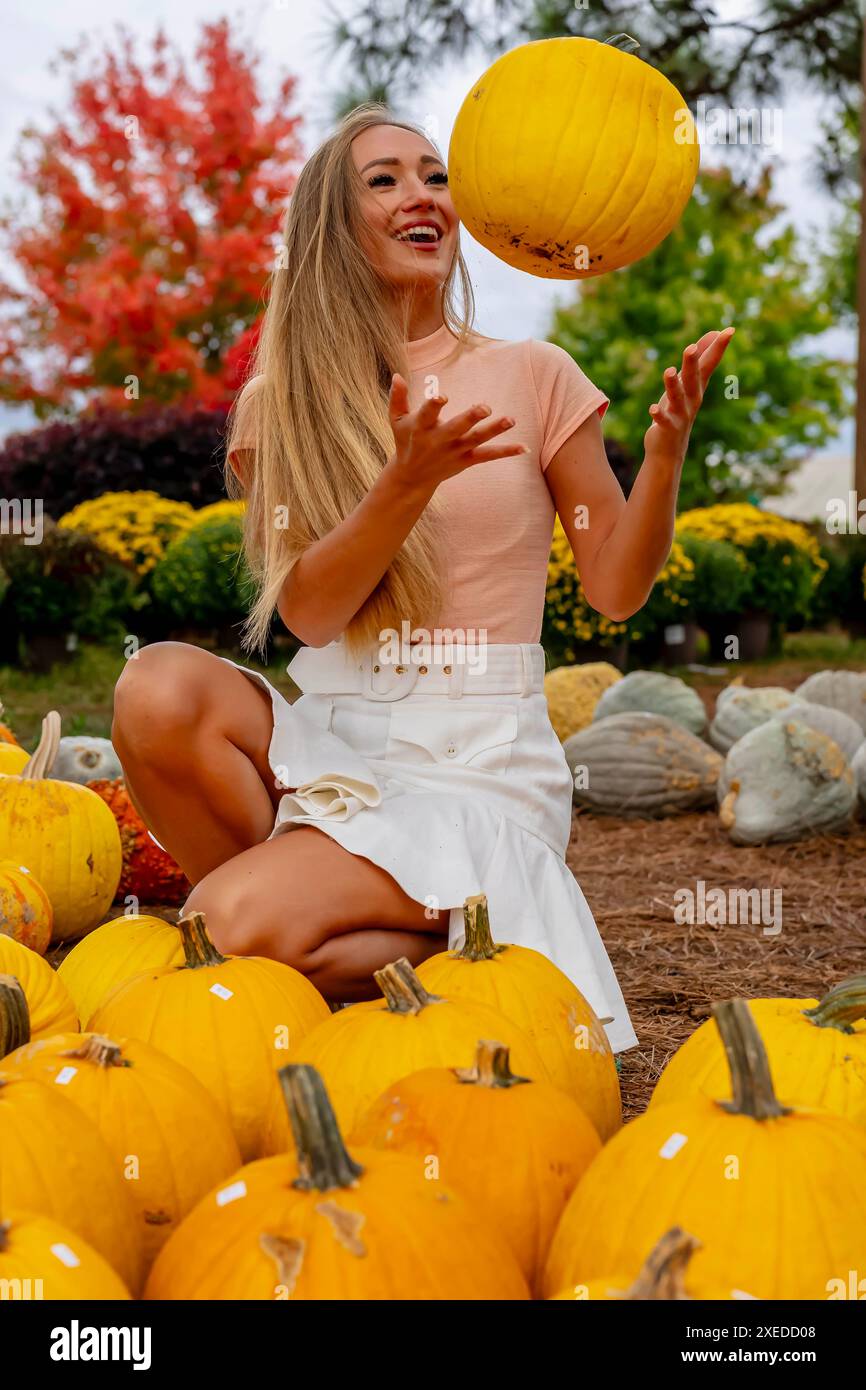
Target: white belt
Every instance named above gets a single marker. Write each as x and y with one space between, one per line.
497 669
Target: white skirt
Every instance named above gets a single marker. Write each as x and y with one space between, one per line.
449 776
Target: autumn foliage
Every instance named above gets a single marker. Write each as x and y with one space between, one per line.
148 228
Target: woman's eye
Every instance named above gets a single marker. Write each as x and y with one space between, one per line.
381 180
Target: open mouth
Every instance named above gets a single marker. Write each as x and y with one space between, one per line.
424 235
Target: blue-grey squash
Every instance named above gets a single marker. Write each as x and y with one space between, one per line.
783 780
843 690
84 758
858 767
658 694
840 727
740 708
641 764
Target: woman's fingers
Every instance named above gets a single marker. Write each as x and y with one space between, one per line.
488 430
690 375
713 352
398 398
485 452
674 391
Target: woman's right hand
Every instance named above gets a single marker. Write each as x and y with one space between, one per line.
429 450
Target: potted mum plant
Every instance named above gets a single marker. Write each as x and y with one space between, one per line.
62 589
664 629
784 566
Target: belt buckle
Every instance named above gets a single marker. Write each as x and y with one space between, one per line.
398 691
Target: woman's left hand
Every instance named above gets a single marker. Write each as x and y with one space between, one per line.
668 435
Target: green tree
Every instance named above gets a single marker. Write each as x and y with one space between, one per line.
728 261
388 44
840 261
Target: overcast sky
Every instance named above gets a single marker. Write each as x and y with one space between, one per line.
290 36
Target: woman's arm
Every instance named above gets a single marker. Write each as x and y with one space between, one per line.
619 547
335 575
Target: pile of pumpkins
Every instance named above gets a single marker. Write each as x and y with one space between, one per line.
177 1124
779 764
71 841
208 1128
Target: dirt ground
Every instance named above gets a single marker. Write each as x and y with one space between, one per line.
671 973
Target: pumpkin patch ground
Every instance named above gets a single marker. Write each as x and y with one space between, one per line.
671 972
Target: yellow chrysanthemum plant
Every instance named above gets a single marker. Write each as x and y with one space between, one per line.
135 527
784 561
670 600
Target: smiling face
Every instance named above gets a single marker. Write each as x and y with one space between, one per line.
409 223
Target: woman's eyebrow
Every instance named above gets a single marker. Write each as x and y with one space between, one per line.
392 159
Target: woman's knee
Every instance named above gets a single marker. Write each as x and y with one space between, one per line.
159 694
241 921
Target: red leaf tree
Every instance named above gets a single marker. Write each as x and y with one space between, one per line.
158 200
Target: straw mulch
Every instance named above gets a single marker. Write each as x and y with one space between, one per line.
671 973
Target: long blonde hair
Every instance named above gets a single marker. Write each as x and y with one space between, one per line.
329 344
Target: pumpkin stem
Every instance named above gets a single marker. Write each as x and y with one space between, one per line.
661 1275
5 1228
323 1159
403 991
841 1006
492 1068
751 1082
624 42
41 760
198 949
14 1015
101 1050
478 941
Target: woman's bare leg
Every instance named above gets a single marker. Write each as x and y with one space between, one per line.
303 899
192 734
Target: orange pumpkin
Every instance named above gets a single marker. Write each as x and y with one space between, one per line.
230 1020
111 954
6 734
25 910
40 1258
322 1223
469 1119
535 994
49 1002
150 1111
54 1162
361 1050
664 1276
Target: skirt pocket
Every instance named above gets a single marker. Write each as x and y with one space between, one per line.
450 733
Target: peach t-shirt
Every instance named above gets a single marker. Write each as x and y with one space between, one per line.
496 517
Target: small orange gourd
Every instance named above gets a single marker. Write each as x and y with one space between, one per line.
25 909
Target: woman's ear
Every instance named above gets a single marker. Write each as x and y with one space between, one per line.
242 462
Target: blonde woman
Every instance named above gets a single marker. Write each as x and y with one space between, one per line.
401 474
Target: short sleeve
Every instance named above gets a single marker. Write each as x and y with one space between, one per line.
245 432
566 396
